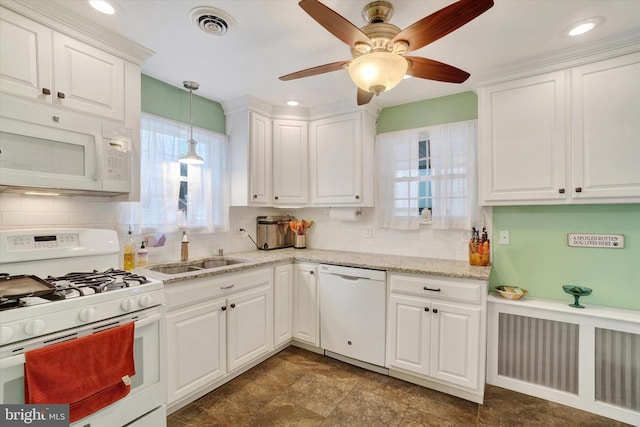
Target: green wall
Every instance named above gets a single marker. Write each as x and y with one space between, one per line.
168 101
538 258
447 109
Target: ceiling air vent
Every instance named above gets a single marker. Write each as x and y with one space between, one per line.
211 20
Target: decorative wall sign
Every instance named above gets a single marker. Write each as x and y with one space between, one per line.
613 241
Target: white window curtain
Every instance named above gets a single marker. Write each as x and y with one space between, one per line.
397 169
162 142
453 147
453 177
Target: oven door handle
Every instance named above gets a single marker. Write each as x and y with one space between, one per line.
12 361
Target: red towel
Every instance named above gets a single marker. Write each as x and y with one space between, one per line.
86 373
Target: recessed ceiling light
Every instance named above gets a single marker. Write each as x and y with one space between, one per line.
293 103
585 26
102 6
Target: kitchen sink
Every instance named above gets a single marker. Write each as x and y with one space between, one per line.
205 264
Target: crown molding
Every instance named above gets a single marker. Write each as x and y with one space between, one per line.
611 47
73 25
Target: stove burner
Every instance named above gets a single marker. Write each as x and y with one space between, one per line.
86 283
79 284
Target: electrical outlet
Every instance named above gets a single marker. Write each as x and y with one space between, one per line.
240 233
504 237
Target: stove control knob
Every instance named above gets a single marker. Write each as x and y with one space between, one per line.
34 327
6 333
87 315
146 301
127 304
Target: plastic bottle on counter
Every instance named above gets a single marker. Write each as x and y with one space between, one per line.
184 248
142 257
129 253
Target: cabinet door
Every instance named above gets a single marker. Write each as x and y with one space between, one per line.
282 304
260 159
605 131
25 56
250 327
522 141
336 160
455 344
290 163
306 310
87 79
196 351
408 334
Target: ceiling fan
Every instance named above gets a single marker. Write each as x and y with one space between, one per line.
378 48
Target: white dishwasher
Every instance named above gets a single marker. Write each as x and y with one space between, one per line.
353 312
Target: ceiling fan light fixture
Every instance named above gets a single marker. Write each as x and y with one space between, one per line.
191 158
377 72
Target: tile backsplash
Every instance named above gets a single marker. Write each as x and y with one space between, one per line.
362 235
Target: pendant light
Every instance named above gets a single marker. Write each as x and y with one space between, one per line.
192 157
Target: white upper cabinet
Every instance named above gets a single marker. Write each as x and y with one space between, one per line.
341 160
522 150
569 136
260 147
46 66
290 162
605 130
286 160
25 56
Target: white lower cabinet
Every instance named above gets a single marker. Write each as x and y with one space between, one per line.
282 304
306 307
194 358
215 326
249 328
437 329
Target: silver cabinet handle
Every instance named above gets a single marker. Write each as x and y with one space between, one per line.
227 287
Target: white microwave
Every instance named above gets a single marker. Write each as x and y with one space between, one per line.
42 148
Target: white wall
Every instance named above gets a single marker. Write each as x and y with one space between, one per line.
361 236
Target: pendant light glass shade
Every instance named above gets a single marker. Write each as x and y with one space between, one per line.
377 72
192 157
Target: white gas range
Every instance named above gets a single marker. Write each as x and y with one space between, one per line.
63 284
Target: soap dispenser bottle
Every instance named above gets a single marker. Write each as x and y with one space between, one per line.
184 249
142 257
129 254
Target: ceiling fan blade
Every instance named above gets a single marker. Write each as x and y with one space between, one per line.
334 23
320 69
440 23
433 70
364 97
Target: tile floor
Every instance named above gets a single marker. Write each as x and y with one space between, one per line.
300 388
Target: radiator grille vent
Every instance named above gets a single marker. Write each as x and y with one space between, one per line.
618 368
539 351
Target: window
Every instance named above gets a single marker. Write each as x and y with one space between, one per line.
427 173
176 196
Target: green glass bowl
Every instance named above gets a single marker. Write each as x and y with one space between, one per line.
577 292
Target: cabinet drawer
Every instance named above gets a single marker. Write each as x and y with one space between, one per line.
454 289
198 290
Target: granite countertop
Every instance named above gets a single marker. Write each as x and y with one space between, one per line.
389 263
